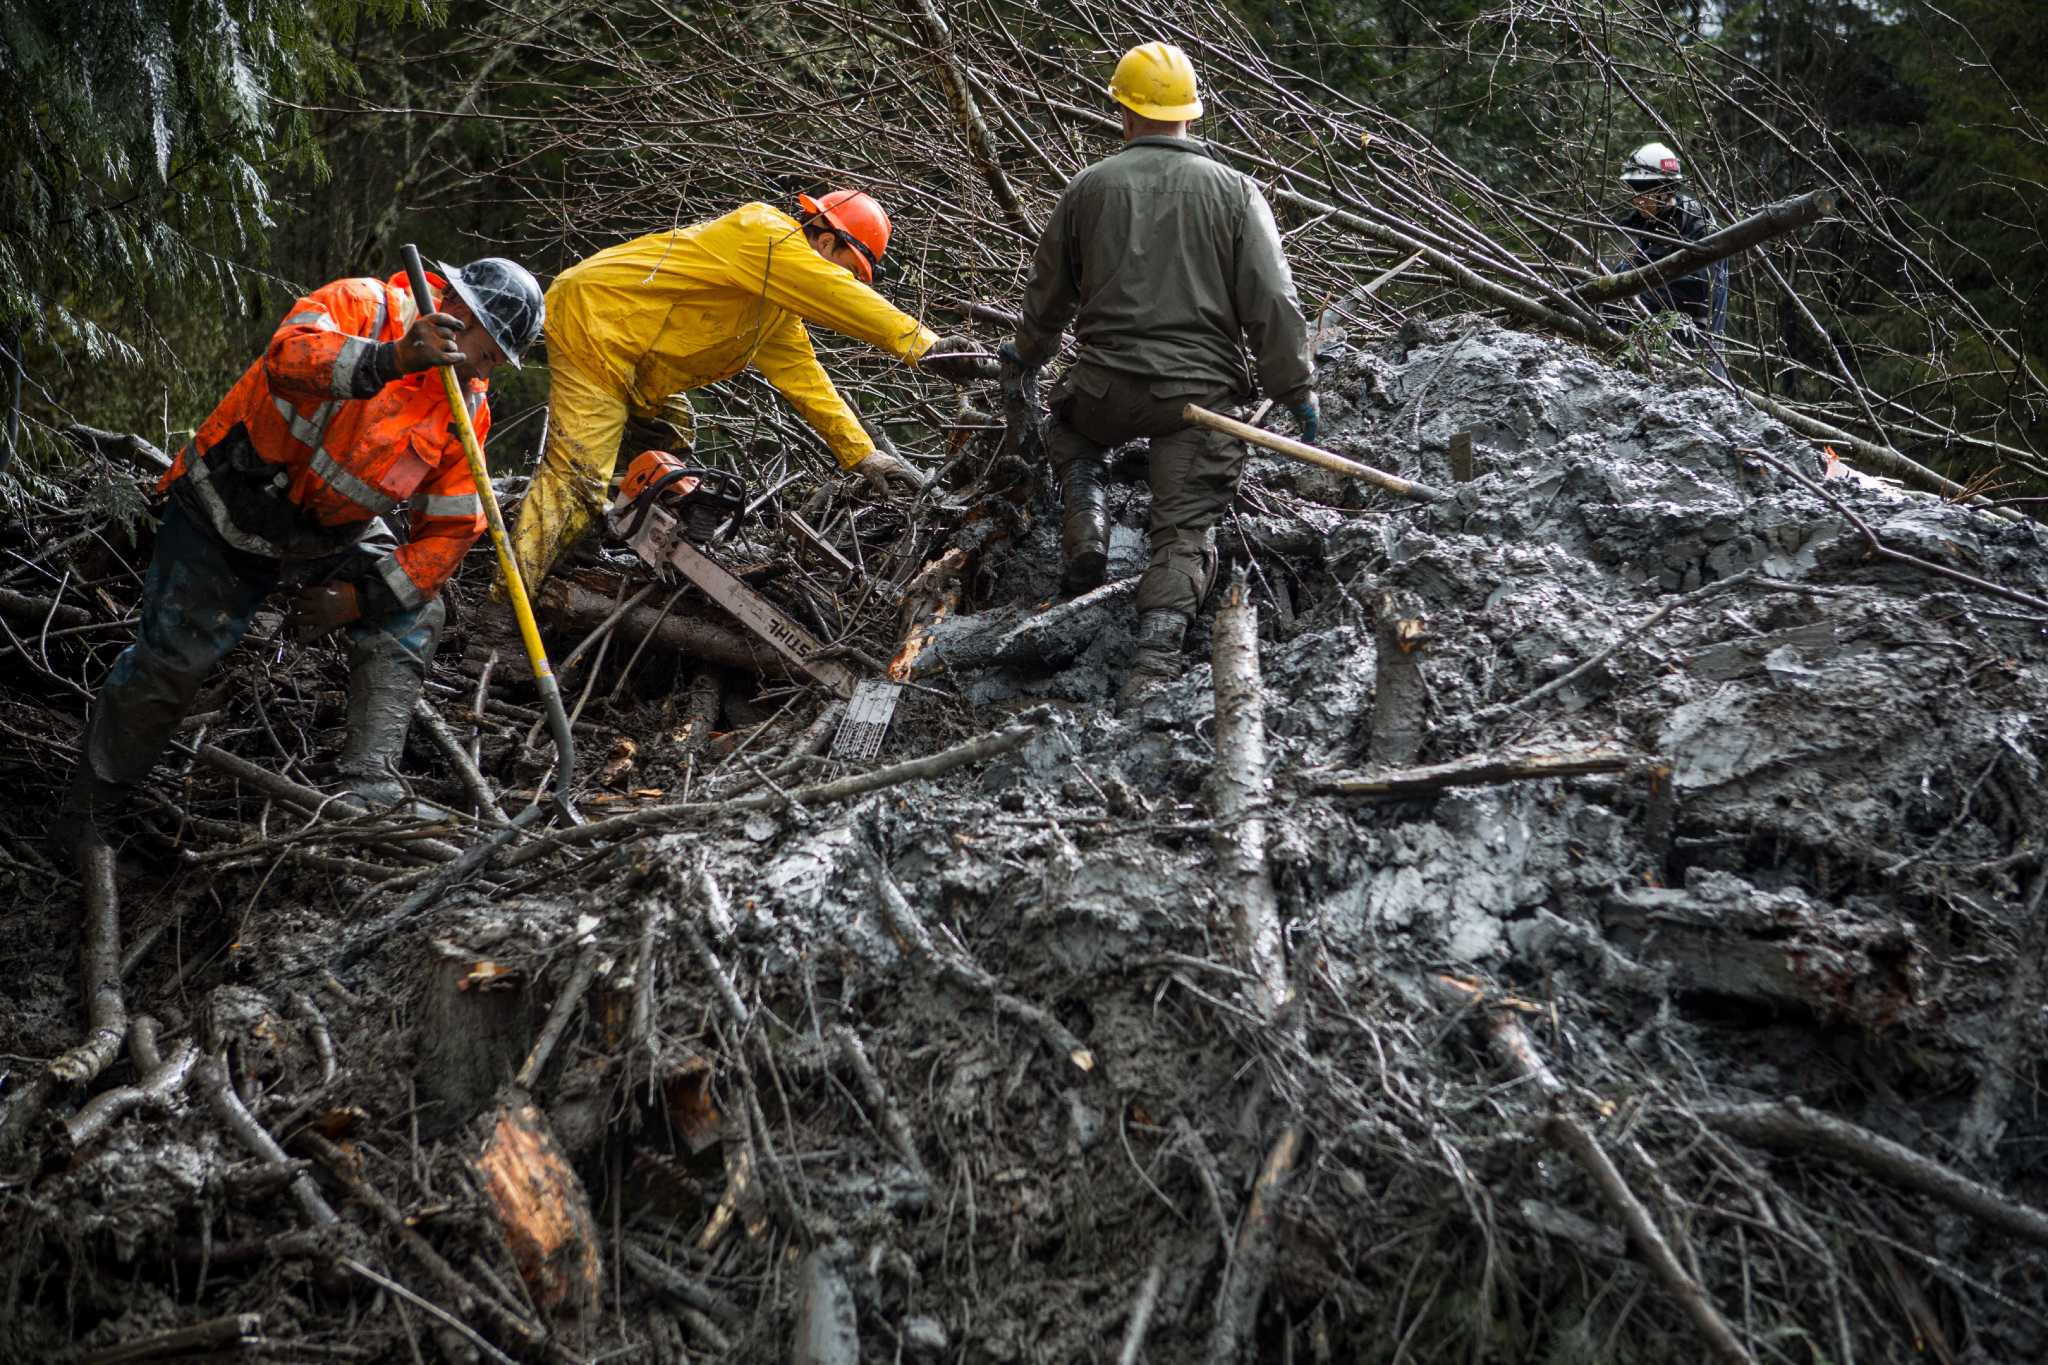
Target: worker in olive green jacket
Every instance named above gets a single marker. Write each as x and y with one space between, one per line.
1167 263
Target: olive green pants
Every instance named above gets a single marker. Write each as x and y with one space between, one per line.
1194 471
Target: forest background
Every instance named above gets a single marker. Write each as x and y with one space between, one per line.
179 170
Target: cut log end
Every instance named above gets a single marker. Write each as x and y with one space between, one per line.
542 1209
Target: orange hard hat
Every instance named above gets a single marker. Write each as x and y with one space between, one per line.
858 219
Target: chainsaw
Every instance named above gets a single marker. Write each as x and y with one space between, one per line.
666 510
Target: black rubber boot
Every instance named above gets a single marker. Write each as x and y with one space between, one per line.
90 809
1084 534
1158 660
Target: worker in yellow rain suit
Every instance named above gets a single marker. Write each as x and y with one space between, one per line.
637 324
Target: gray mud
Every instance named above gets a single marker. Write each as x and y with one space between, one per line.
1857 761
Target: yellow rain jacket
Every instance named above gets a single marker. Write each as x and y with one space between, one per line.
640 322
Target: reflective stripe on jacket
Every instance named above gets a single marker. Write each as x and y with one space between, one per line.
674 311
312 442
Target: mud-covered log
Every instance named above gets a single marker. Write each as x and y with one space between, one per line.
1251 1264
1241 788
542 1210
1792 1127
215 1334
159 1086
213 1082
106 1013
1774 221
36 611
1399 689
568 606
476 1029
1055 635
827 1332
1778 950
1484 771
1984 1123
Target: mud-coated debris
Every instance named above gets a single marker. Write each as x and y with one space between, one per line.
924 1338
826 1332
1803 865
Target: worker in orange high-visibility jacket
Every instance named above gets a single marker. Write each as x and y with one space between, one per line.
285 485
632 328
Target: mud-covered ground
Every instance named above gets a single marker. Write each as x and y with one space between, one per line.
972 1068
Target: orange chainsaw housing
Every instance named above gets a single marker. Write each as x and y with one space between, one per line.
649 468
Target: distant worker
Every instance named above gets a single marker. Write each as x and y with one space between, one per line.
1167 263
1663 219
632 328
285 485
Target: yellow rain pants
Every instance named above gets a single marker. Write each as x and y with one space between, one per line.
673 311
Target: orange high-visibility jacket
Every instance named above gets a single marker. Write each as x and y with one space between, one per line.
311 443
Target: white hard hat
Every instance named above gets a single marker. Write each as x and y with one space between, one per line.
1649 166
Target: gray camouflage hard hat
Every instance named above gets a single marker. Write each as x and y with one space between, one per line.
505 297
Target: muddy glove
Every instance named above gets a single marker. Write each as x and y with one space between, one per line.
886 474
316 611
884 467
955 359
1309 414
429 342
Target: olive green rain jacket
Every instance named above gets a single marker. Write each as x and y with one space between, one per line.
1163 259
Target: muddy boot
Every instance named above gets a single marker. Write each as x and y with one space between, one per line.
91 808
1084 535
381 690
1158 659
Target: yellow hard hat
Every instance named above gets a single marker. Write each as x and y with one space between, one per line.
1157 81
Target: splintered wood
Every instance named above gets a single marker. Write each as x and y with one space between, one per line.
542 1210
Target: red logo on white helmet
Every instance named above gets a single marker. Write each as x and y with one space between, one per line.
1669 164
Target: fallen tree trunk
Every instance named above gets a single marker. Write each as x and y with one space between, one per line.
106 1013
1774 221
1241 789
569 606
1475 772
1792 1127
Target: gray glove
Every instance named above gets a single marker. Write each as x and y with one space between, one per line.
886 473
